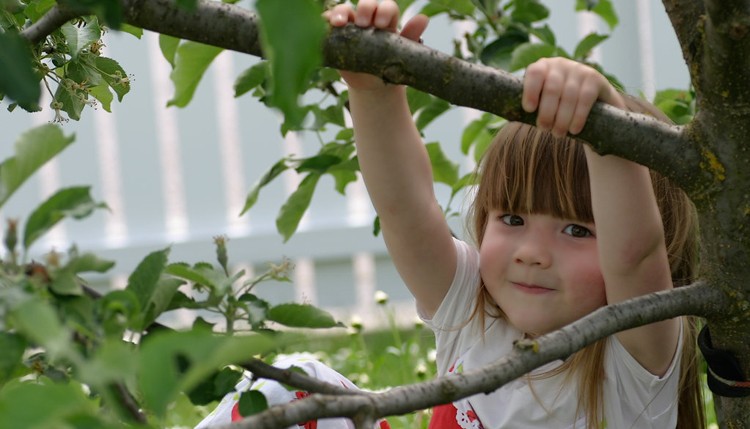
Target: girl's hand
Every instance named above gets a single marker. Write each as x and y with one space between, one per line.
383 16
564 91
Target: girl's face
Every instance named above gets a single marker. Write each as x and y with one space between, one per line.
542 271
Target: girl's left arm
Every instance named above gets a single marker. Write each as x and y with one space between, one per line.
629 230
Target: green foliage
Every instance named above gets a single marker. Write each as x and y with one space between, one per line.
191 60
18 80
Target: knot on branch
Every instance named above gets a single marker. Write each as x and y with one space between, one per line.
396 72
738 30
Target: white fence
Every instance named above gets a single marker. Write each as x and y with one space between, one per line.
177 177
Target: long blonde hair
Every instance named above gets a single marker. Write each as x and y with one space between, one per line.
527 170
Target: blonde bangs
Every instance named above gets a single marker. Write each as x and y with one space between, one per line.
529 171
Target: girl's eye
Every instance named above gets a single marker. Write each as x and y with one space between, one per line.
578 231
512 220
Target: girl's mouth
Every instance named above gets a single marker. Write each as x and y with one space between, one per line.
530 288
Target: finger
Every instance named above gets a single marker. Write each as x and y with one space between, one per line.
549 101
340 15
365 12
386 16
415 27
533 81
566 108
587 97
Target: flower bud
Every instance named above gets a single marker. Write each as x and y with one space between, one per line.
381 297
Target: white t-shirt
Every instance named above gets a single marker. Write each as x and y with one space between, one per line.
632 396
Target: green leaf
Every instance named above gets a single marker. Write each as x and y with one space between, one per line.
436 108
66 283
296 205
214 387
585 46
528 11
252 402
191 62
133 30
545 34
417 99
498 53
72 101
37 9
39 322
144 280
251 78
190 274
161 298
603 8
462 7
293 55
344 174
114 75
104 95
88 263
528 53
74 202
33 149
187 4
33 404
319 163
271 174
79 38
296 315
13 347
168 45
443 170
473 131
164 356
18 79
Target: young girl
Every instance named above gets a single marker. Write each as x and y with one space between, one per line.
560 231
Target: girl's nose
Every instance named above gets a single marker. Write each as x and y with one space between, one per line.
533 250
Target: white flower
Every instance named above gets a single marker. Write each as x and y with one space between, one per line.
381 297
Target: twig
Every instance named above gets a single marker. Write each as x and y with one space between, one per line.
301 381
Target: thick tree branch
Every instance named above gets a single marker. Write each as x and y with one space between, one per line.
397 60
261 369
698 299
686 17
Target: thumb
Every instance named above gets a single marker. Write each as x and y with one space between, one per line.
414 28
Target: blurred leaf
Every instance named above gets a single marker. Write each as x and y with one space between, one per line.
32 150
545 34
252 402
160 300
417 99
114 75
498 53
528 53
251 78
144 280
301 316
473 131
74 202
18 79
603 8
293 55
271 174
462 7
13 347
585 46
436 108
188 273
161 375
87 263
37 9
528 11
42 405
214 388
296 205
39 322
191 62
443 170
319 163
66 283
81 37
132 30
168 46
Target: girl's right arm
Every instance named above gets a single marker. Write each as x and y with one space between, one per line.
396 168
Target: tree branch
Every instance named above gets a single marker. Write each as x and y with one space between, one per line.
698 299
51 21
261 369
